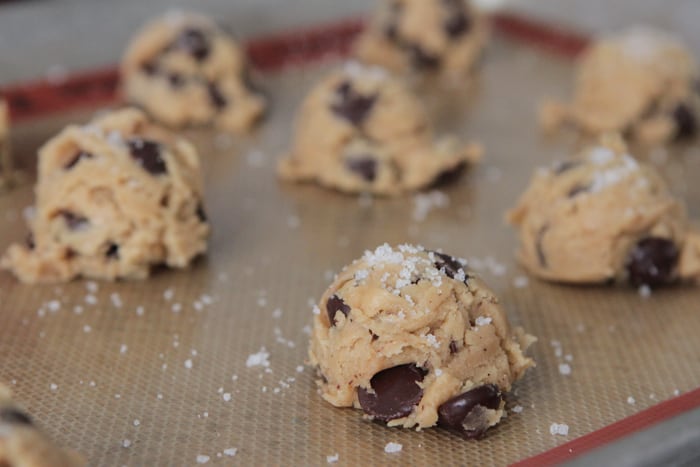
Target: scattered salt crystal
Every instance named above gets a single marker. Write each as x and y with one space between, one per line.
392 447
92 286
230 452
188 363
564 369
569 357
262 301
139 310
644 291
123 349
53 386
293 222
159 396
258 359
333 458
559 429
520 282
483 320
316 310
517 409
630 400
168 294
432 340
676 392
116 300
276 313
438 372
202 459
90 299
227 396
126 443
423 203
300 369
54 305
137 422
87 328
176 308
77 309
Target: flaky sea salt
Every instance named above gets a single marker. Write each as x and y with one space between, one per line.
333 458
53 386
202 459
520 282
258 359
123 349
226 396
126 443
392 447
483 320
230 452
188 363
561 429
644 291
423 203
564 369
517 409
631 401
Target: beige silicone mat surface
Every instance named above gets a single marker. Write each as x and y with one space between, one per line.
149 364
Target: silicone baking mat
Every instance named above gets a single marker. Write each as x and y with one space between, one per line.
162 372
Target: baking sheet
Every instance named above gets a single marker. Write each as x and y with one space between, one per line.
148 364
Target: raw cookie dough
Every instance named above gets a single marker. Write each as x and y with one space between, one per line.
185 70
113 198
605 217
413 338
642 83
23 445
444 37
5 158
361 130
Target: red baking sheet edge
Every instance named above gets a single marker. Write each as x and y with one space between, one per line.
274 53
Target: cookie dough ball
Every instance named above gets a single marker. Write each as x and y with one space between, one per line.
185 70
361 130
5 158
113 199
414 339
642 83
423 37
604 217
22 444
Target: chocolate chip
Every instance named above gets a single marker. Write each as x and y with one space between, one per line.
29 241
112 251
453 347
365 166
149 68
14 416
201 213
74 221
216 97
335 304
176 80
465 413
686 123
147 154
577 190
564 166
457 25
422 60
195 42
396 392
77 158
652 262
352 106
449 176
450 264
391 28
541 257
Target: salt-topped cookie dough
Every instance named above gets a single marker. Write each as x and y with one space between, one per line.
642 83
361 130
22 444
113 198
414 339
185 70
424 37
602 217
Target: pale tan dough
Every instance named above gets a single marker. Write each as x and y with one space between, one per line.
113 198
22 444
185 70
425 37
641 82
408 305
362 130
6 175
582 220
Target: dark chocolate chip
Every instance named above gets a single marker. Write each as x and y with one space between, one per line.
422 60
395 392
29 240
335 304
195 42
201 213
564 166
149 68
457 25
577 190
216 97
449 176
176 80
652 261
453 347
77 158
14 416
450 264
74 221
365 166
686 122
112 251
465 413
541 257
352 106
391 28
147 154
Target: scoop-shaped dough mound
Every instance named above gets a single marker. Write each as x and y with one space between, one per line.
185 70
425 37
362 130
413 338
23 444
113 198
641 82
604 216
